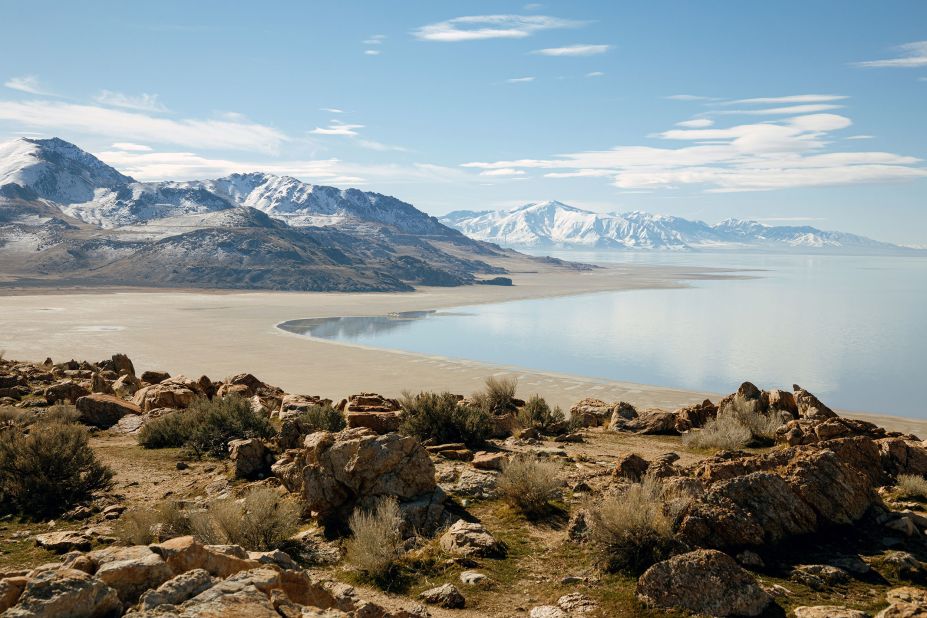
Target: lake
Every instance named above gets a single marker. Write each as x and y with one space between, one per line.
853 330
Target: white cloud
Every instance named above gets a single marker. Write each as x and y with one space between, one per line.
332 110
688 97
131 147
503 171
376 39
696 123
595 74
573 50
519 80
913 55
780 111
30 84
481 27
143 102
338 128
860 137
372 52
125 125
795 98
766 155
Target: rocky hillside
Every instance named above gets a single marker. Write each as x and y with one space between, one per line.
67 218
554 224
203 497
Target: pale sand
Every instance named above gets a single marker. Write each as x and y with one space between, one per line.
221 334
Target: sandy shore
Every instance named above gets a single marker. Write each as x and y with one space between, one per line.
220 334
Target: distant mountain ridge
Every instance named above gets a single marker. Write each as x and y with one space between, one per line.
555 224
69 218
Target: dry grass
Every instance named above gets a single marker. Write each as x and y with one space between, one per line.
733 430
912 486
496 396
376 544
631 531
260 521
529 484
138 527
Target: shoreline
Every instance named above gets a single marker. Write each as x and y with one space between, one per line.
220 333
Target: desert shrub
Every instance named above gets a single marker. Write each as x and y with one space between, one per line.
440 417
537 414
529 484
59 413
496 396
138 526
630 531
260 521
49 469
321 418
376 544
206 427
9 416
912 486
733 430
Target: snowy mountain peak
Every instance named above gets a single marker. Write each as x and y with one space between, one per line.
554 224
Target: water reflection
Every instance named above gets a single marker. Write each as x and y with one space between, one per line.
354 327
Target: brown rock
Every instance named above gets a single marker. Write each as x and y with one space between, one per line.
172 393
591 412
186 553
65 592
447 596
104 411
810 406
155 377
489 461
380 422
10 590
905 602
65 391
64 541
632 467
130 571
472 540
251 458
122 365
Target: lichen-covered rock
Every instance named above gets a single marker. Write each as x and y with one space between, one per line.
130 571
65 593
63 541
471 539
905 602
185 553
178 589
250 457
828 611
174 393
705 582
447 596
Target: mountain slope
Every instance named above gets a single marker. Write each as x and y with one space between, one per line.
66 217
554 224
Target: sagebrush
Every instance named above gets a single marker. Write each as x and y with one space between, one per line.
441 418
321 418
376 543
529 485
912 486
537 414
731 430
207 426
496 396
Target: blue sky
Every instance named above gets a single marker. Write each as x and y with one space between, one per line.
788 112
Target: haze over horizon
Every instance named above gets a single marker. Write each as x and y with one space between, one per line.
663 107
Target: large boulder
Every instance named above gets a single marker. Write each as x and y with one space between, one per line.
810 406
704 582
122 365
66 391
372 411
905 602
104 411
130 571
901 455
185 553
174 393
471 539
695 416
591 412
65 593
63 541
251 458
178 589
11 588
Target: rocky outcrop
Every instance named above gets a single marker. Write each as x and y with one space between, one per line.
373 411
65 592
591 412
173 393
704 582
251 458
65 391
104 411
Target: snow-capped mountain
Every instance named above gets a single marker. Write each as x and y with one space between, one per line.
554 224
66 215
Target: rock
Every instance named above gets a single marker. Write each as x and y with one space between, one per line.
104 411
503 425
178 589
622 413
571 437
371 402
126 386
704 582
122 365
10 590
185 553
99 384
810 406
819 576
130 423
65 391
380 422
904 525
489 461
130 571
63 593
447 596
171 393
695 416
476 484
251 458
653 422
357 467
591 413
828 611
905 602
547 611
64 541
576 603
155 377
783 401
294 405
903 456
632 467
750 559
472 540
902 565
473 578
274 557
851 564
578 527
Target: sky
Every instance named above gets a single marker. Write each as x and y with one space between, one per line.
787 112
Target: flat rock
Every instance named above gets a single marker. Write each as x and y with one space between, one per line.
447 596
64 541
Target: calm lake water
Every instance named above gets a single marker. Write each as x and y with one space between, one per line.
853 330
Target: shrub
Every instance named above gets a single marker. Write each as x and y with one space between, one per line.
733 430
321 418
260 521
49 470
537 414
206 427
630 531
376 544
440 417
912 486
138 527
529 484
58 413
497 395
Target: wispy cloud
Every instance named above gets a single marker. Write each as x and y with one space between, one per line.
780 111
97 121
696 123
503 171
519 80
860 137
131 147
481 27
595 74
375 39
143 102
689 97
338 128
30 84
573 50
913 55
331 110
372 52
794 98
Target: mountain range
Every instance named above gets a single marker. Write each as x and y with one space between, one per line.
557 225
67 218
